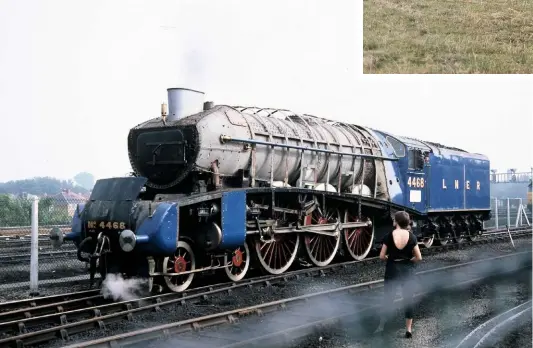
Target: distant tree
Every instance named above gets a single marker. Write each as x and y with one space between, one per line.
40 186
85 180
17 212
14 212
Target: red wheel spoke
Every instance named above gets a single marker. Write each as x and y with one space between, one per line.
358 240
321 249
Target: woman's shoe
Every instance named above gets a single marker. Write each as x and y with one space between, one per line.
408 334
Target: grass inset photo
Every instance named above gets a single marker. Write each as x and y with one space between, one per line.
448 36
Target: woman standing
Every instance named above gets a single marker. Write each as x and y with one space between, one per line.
400 250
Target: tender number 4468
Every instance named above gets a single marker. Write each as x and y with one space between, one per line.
415 182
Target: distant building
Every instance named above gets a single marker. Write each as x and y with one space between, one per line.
25 195
509 185
67 201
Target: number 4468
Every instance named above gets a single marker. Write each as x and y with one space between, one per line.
415 182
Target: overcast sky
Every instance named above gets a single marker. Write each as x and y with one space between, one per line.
75 76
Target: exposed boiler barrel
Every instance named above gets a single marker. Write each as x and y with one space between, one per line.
269 126
295 130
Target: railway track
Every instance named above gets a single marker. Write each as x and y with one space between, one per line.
342 309
20 321
23 233
489 333
43 256
27 249
25 241
16 231
9 255
497 237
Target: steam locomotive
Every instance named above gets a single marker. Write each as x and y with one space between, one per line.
219 187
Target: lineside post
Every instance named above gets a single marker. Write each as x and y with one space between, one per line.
508 213
524 211
34 258
521 221
510 237
496 212
519 213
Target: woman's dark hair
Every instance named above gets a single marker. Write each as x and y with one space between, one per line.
402 219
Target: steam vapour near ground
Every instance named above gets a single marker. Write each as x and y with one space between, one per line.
120 289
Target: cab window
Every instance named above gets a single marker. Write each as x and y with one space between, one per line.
398 147
416 159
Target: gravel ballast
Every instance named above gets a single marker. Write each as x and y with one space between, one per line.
56 271
247 297
443 319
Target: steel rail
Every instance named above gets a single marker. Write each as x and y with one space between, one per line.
99 320
27 248
43 255
345 320
6 252
232 316
32 303
485 341
35 307
44 237
10 244
481 334
124 308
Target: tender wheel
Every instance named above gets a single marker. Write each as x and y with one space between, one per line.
183 260
445 239
322 249
277 256
427 242
240 262
357 241
459 239
472 238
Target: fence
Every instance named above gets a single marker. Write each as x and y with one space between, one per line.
508 211
511 177
30 262
27 257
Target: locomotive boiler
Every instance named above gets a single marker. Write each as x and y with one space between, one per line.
222 187
175 153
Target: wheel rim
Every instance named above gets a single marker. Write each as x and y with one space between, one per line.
278 255
183 260
472 237
359 240
240 262
443 241
427 242
459 239
321 249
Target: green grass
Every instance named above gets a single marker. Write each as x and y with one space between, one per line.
436 36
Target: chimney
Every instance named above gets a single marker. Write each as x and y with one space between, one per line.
208 105
183 102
